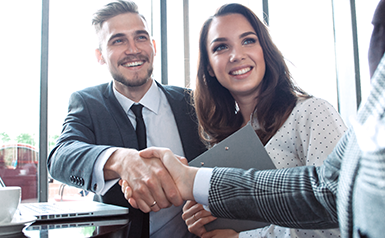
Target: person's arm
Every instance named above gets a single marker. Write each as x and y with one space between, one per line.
301 197
86 136
72 159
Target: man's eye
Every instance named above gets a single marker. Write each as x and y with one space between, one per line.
142 38
117 41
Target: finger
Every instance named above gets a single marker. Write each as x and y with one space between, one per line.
133 203
182 175
142 196
167 157
123 184
198 227
188 205
183 160
163 187
192 210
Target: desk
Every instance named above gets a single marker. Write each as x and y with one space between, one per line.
105 227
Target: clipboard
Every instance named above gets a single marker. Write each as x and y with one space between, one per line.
242 149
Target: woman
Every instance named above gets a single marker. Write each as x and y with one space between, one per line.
242 78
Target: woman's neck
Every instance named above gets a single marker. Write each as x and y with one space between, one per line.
247 108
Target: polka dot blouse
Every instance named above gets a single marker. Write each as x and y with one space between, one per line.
306 138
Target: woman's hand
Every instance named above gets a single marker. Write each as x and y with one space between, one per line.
196 217
221 233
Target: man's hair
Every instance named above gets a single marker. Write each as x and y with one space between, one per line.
111 10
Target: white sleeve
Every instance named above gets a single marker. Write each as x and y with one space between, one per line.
98 175
202 185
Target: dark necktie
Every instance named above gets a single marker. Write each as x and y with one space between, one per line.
142 143
140 127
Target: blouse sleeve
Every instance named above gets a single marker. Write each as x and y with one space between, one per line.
321 127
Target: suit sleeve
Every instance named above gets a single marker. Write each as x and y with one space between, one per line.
300 197
73 158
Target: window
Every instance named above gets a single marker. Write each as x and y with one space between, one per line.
20 94
302 31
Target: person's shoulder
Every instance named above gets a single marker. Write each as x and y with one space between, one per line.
176 92
96 88
312 102
172 88
93 90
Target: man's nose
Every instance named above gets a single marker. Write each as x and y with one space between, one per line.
132 48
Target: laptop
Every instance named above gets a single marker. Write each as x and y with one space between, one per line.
69 210
243 149
62 224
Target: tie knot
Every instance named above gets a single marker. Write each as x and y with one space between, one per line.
137 110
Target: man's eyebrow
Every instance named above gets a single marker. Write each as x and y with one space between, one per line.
117 35
139 32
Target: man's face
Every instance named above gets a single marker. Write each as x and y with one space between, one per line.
127 49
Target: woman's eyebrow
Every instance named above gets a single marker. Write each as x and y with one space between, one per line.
247 33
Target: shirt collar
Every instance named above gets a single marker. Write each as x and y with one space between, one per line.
151 100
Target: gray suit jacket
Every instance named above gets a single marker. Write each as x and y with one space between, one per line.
308 197
96 122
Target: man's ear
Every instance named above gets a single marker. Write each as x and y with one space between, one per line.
99 57
153 42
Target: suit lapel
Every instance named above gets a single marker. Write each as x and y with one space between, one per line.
126 129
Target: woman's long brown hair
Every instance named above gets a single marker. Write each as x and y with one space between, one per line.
215 106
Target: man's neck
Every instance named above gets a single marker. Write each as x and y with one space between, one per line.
133 93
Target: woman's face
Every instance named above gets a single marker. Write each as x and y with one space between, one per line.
235 55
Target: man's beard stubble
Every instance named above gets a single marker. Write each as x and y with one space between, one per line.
135 81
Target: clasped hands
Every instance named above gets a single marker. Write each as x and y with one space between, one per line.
171 185
154 196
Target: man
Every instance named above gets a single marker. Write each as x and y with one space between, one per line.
99 144
347 190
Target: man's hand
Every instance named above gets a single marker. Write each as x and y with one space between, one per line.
150 184
182 174
196 217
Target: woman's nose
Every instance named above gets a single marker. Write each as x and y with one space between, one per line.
237 54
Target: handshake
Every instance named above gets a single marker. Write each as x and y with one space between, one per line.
169 183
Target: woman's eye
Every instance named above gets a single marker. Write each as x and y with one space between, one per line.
219 48
249 41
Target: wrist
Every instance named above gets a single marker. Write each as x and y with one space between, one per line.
189 183
113 166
